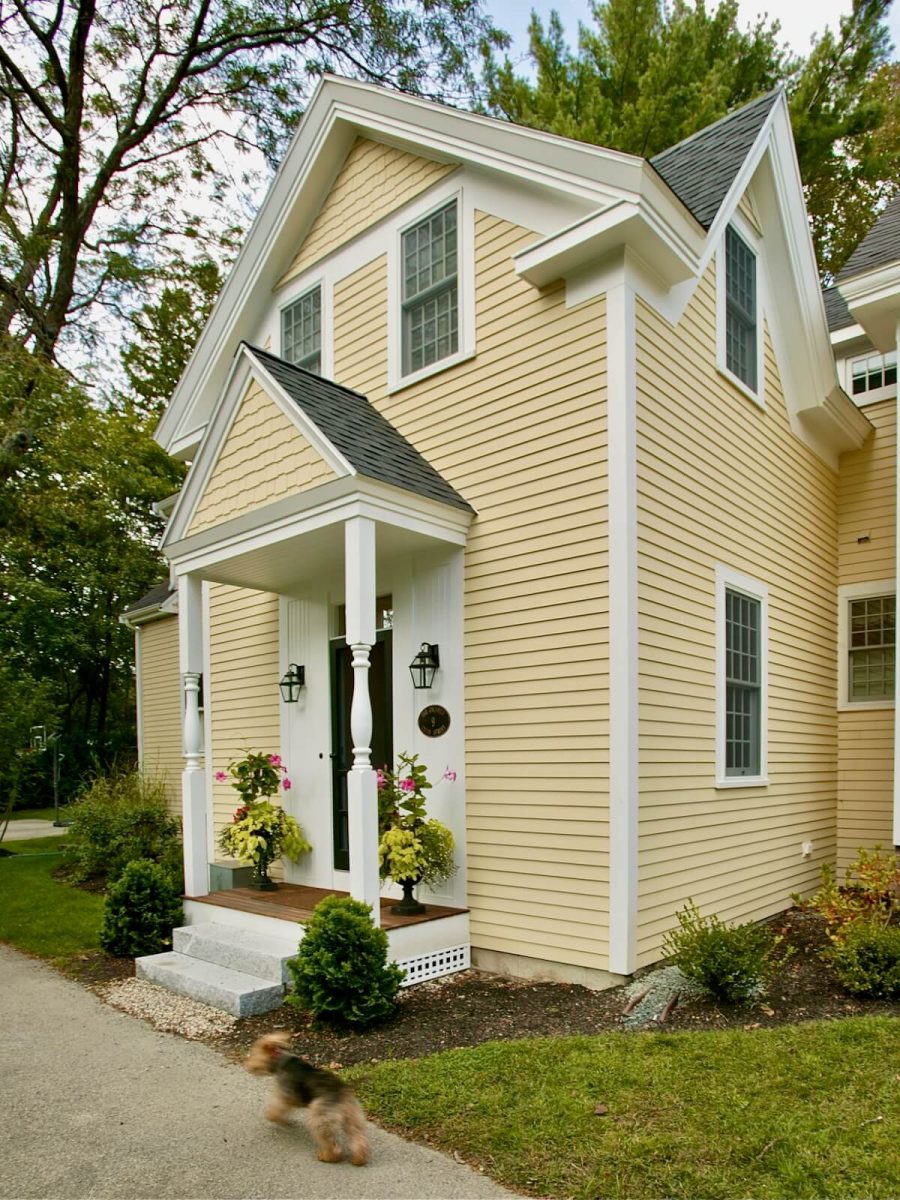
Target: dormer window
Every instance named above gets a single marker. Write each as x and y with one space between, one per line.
741 315
430 292
301 331
873 377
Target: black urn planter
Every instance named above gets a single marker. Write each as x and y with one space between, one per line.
261 880
409 906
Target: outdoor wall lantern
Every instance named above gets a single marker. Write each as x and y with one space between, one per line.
292 681
424 665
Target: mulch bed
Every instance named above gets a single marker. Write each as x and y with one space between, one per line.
474 1007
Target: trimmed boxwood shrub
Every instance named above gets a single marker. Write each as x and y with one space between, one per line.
142 908
341 973
731 962
867 960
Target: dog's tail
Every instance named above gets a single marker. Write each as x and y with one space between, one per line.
355 1129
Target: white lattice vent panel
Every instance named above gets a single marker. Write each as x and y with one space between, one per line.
434 965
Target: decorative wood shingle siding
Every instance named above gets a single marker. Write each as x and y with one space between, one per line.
160 706
867 508
243 686
264 458
520 431
374 180
722 481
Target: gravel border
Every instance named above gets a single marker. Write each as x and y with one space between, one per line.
165 1010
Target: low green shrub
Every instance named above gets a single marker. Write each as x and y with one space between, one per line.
142 908
731 962
341 973
867 960
119 818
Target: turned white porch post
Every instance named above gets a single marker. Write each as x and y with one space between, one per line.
193 780
362 792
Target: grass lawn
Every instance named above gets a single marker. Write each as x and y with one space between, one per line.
39 845
40 915
798 1113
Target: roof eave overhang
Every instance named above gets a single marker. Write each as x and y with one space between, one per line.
874 300
151 612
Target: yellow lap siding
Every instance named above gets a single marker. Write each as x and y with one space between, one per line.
527 447
264 458
722 481
374 180
160 706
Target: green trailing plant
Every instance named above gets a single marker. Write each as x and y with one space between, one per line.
412 846
341 973
730 962
260 831
870 894
142 908
867 960
116 819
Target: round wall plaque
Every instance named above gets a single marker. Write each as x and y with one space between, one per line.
434 721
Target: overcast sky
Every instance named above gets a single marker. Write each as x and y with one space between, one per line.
800 19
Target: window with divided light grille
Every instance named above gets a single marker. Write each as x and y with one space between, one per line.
430 292
301 331
740 310
743 684
872 651
873 373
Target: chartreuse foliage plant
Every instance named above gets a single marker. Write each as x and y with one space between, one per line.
142 909
260 831
730 962
341 973
869 894
412 845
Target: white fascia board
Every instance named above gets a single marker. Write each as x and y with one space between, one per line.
874 300
843 339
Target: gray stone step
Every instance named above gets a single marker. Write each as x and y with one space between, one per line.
244 950
234 992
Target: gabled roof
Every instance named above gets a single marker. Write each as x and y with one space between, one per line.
701 169
837 313
880 247
366 439
152 603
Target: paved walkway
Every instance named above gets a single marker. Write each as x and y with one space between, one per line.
99 1106
31 827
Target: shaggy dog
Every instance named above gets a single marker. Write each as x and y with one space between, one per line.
331 1108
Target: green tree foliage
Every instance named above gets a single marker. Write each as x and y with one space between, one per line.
114 112
647 74
77 481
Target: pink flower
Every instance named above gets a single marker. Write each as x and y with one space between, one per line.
275 760
449 775
407 785
379 779
286 785
221 777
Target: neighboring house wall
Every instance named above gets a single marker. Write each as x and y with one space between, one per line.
867 510
723 481
263 459
520 431
159 683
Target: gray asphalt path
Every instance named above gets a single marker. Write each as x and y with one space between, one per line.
32 827
99 1106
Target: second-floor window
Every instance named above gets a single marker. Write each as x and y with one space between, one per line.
874 373
430 290
301 331
741 347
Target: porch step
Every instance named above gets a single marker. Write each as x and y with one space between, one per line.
234 992
242 950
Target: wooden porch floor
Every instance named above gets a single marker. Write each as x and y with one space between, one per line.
295 902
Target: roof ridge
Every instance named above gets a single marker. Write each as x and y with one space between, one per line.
306 371
771 96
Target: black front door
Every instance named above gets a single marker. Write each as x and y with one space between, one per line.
380 694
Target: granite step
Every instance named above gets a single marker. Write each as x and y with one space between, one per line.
224 988
262 955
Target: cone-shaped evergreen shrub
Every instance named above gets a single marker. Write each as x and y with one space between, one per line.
142 908
341 972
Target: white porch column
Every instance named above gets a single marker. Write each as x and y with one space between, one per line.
362 791
193 779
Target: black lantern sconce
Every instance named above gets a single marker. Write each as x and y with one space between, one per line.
424 665
291 683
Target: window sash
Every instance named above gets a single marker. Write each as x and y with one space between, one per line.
873 372
872 648
740 310
430 292
743 684
301 331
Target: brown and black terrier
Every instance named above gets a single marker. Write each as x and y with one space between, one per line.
332 1111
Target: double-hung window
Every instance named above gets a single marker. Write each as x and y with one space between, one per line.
301 331
742 619
741 311
430 292
872 645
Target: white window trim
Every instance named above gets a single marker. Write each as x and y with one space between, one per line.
726 578
846 593
887 391
748 234
326 342
465 283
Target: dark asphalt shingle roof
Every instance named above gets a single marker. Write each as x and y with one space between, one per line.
355 428
880 246
837 313
702 168
156 596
